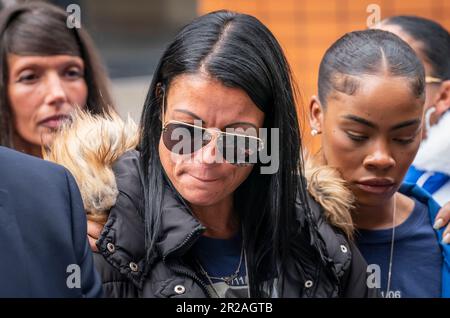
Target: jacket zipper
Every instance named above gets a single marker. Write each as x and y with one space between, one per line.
183 245
184 272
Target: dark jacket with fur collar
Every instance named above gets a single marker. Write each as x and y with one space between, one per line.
126 272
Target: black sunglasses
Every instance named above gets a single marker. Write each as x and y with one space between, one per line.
183 138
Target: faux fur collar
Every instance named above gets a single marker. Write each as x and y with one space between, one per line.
329 189
88 147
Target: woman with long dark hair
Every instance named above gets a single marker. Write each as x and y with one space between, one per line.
215 203
47 70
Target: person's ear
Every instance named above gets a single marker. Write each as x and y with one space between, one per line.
442 101
315 115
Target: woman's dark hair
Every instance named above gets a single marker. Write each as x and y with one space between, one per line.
239 51
435 41
40 29
368 52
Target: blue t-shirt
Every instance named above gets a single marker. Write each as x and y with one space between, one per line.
417 258
222 258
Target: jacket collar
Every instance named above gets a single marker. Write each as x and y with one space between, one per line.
179 228
123 238
125 229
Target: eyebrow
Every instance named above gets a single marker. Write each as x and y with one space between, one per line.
406 124
188 112
372 125
198 117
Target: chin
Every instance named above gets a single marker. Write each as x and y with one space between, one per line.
201 201
200 198
371 199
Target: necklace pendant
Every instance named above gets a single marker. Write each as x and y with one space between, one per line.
227 280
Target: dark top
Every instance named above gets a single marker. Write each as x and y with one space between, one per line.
222 265
417 258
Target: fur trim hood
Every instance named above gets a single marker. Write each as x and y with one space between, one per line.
329 189
88 146
91 144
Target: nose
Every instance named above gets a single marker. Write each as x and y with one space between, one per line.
208 153
380 158
54 89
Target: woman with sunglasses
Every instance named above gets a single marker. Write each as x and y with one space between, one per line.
431 42
215 204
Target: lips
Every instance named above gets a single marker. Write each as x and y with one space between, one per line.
54 121
376 185
205 180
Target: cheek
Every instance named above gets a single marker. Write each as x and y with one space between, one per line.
238 175
24 100
78 93
165 156
404 155
339 151
25 103
346 155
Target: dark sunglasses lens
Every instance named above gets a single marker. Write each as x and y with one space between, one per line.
238 149
182 139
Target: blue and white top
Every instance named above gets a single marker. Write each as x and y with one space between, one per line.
431 167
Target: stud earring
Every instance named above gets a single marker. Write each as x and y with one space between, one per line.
314 132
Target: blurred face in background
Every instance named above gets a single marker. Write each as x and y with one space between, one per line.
199 99
42 92
432 89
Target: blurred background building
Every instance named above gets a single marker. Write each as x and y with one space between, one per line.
131 35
